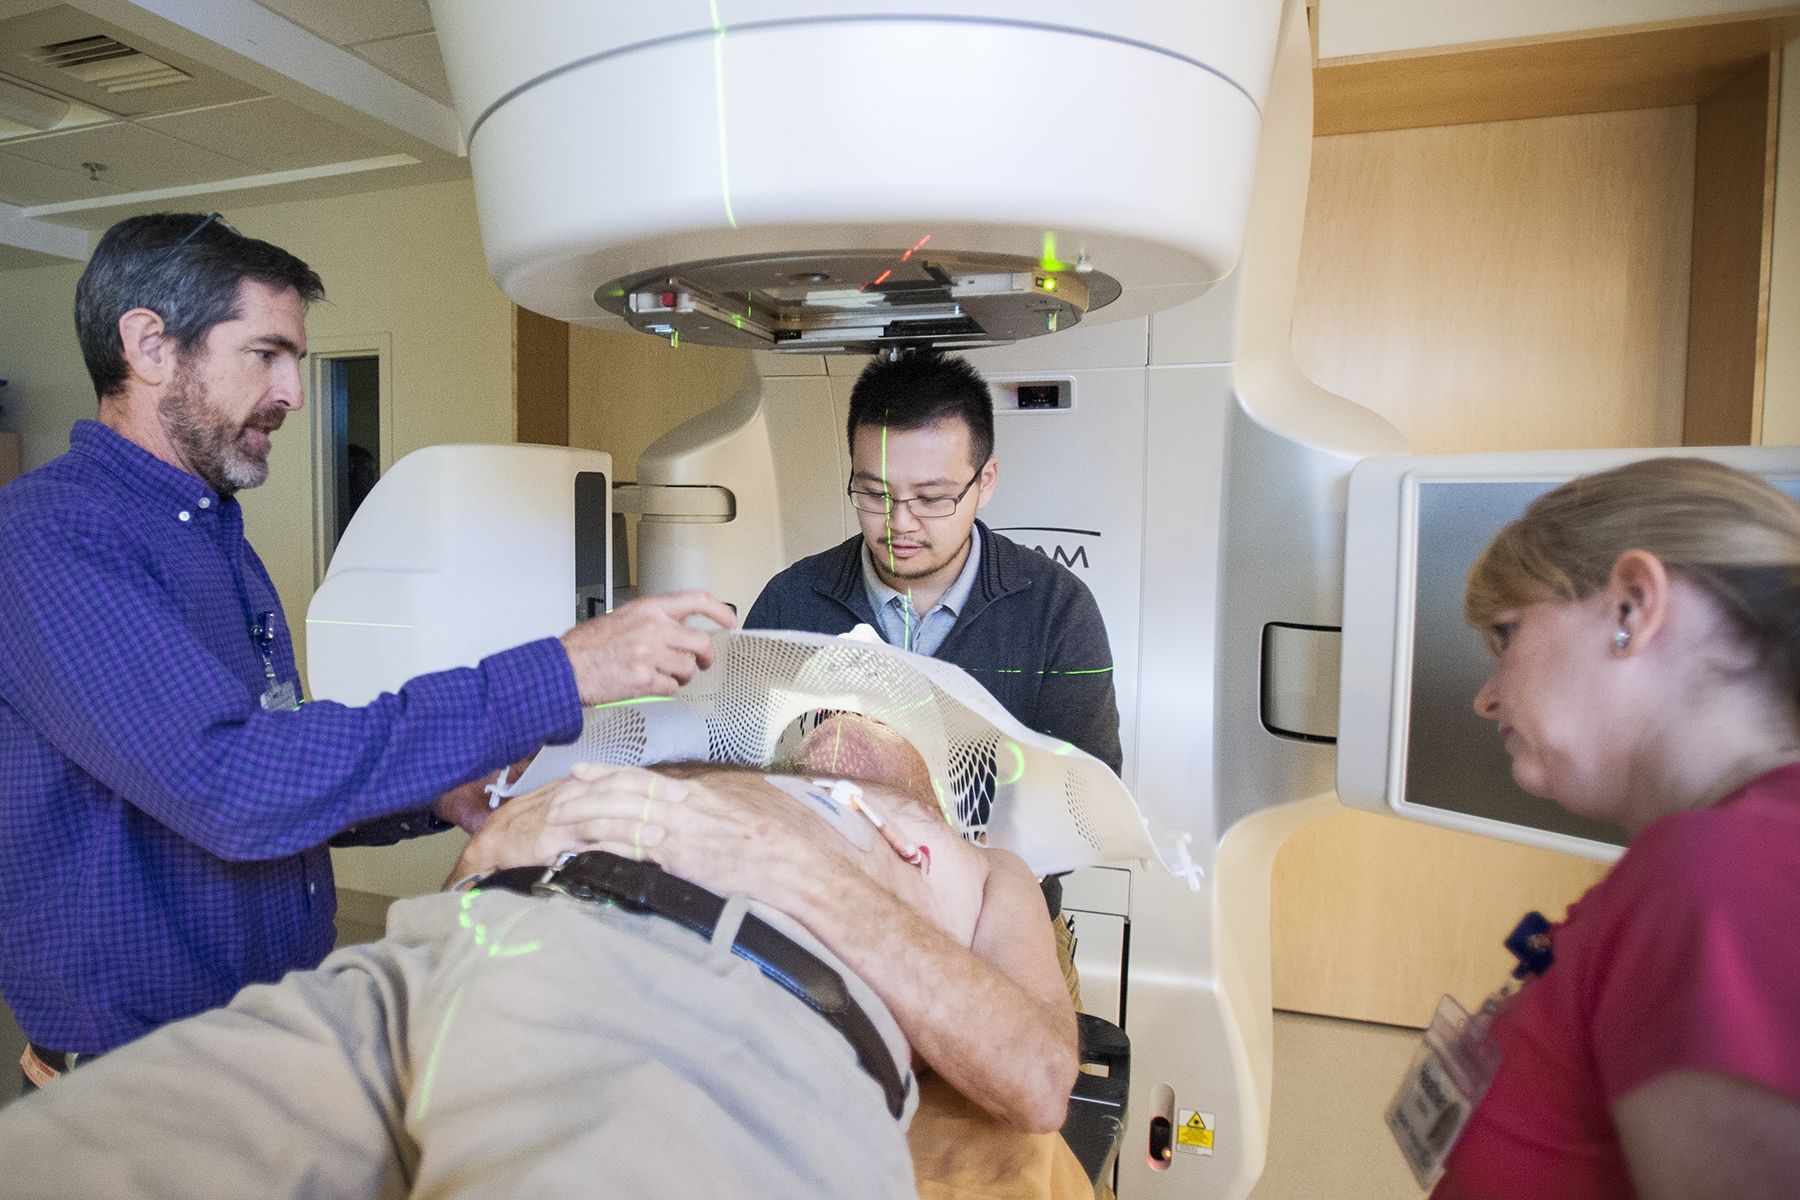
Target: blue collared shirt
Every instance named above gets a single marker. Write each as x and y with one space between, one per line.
897 622
162 837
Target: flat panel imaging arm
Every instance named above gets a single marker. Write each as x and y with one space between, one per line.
1409 741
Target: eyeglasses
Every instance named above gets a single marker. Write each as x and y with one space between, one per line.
924 507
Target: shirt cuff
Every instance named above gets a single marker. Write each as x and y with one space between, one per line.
532 697
385 831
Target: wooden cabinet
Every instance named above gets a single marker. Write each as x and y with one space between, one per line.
1360 28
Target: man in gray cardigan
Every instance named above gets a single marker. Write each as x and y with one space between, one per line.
931 578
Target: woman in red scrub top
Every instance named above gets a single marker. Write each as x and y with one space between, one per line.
1645 624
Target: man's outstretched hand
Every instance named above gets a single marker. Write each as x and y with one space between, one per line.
644 648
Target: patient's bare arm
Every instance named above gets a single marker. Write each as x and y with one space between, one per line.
993 1018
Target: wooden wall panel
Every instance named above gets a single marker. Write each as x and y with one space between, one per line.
1485 287
1513 286
1373 918
628 389
540 379
1650 66
1734 205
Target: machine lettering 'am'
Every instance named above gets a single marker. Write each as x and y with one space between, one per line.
1057 550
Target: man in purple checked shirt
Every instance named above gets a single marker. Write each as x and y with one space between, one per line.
165 799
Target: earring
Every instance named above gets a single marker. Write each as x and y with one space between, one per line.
1621 640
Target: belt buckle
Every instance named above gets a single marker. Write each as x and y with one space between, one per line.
600 875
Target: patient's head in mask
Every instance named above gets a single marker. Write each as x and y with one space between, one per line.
851 745
843 745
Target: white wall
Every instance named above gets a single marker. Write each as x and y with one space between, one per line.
47 387
1349 27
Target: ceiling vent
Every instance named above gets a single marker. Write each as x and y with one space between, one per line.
108 64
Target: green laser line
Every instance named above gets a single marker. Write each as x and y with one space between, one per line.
1018 765
908 640
497 949
1023 671
719 107
356 624
437 1049
637 836
633 700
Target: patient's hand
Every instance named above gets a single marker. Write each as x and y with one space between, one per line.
733 834
530 830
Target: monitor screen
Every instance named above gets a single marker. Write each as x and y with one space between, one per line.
1409 740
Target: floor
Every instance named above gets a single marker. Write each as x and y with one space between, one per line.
1327 1135
12 1044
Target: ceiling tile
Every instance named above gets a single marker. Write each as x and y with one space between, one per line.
22 37
136 159
344 22
25 183
268 134
413 59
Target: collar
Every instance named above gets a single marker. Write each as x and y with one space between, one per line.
838 576
955 598
161 486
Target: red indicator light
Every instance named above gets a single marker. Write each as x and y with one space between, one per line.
668 299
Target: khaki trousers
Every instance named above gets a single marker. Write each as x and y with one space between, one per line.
492 1045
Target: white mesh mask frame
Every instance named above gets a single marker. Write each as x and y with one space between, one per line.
1054 806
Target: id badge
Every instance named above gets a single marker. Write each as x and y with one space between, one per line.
280 697
1449 1075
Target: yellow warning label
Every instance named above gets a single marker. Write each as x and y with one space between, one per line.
1194 1133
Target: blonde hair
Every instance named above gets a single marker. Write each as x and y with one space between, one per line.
1727 531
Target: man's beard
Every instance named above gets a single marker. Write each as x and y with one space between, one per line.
212 444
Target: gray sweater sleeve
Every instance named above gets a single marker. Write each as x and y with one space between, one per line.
1078 702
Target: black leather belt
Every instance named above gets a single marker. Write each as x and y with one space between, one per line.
647 888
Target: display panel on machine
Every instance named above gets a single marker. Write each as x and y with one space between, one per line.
1453 760
593 519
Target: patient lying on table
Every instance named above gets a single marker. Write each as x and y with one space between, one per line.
592 1036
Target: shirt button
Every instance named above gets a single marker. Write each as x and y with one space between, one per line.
312 889
206 502
184 515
